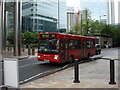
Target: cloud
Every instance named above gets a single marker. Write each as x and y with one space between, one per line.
74 3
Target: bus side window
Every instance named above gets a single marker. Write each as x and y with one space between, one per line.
88 44
66 45
57 44
71 44
61 43
92 44
77 44
84 44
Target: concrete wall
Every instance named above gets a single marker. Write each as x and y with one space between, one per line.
102 41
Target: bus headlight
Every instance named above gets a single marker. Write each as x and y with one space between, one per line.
38 56
56 57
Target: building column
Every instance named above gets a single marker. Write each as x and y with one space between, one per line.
0 31
17 28
2 9
112 12
20 27
108 13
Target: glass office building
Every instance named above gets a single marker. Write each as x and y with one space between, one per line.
9 23
44 16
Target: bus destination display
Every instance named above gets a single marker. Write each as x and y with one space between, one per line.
48 35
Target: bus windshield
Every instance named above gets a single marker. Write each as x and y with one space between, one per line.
48 46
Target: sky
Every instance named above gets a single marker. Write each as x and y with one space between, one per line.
75 3
96 7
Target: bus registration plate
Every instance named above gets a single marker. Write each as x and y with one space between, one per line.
46 60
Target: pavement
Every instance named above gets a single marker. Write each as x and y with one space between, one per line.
10 54
93 74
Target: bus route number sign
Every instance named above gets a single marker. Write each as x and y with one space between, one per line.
48 35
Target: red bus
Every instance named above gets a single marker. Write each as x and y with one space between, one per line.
57 47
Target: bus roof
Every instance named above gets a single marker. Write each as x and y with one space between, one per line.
68 35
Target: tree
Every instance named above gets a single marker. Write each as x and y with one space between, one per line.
85 22
114 32
29 38
95 27
75 30
10 38
87 25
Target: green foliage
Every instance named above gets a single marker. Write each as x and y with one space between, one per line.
10 38
85 22
75 30
10 45
33 45
27 38
114 32
87 25
96 26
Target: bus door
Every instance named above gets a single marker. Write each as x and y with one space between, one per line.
62 50
66 50
83 50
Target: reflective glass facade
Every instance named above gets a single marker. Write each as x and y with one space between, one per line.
10 23
42 15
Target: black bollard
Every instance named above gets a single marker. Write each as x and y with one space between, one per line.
4 88
33 51
76 69
112 73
